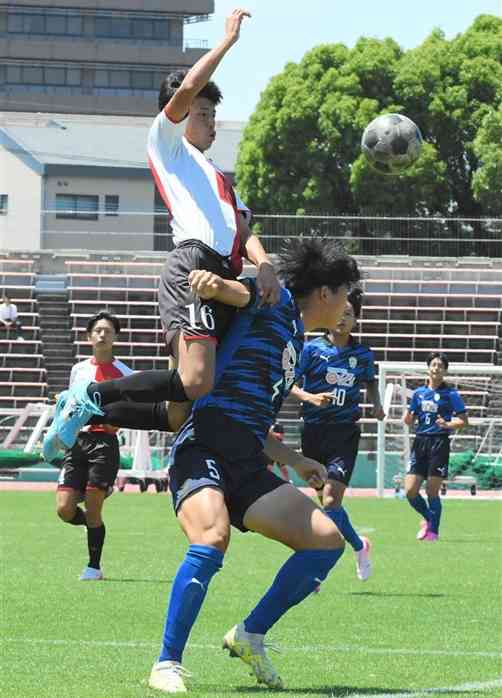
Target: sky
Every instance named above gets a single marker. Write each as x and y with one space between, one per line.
280 31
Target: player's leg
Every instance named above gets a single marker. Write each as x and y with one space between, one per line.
103 459
286 515
196 482
72 482
67 507
439 457
433 488
416 474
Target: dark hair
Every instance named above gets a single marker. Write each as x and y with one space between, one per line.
355 298
103 315
306 264
171 82
438 355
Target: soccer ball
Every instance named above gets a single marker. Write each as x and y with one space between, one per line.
391 143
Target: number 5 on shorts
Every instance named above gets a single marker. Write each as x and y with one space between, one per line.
211 467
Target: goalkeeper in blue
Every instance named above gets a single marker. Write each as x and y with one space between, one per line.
438 410
333 369
218 476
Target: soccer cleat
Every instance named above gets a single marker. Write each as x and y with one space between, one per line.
90 574
363 562
424 530
431 537
76 412
251 649
168 677
52 445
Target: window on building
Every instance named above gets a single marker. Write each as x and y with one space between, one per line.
55 24
32 75
80 206
121 27
119 78
14 74
141 80
101 78
73 76
111 205
103 26
4 204
34 23
74 25
15 23
55 76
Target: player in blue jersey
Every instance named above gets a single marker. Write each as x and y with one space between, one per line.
437 409
218 477
333 369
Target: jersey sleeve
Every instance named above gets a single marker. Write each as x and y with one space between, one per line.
370 373
457 403
413 404
305 361
73 375
164 138
241 206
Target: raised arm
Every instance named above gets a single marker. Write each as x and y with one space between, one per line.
374 397
309 470
267 283
316 399
210 286
198 76
456 423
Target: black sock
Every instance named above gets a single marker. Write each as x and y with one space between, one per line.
95 542
143 386
79 518
134 415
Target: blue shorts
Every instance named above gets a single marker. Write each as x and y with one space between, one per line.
335 446
430 456
225 455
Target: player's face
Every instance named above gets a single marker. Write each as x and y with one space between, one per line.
347 321
332 305
201 128
102 335
437 370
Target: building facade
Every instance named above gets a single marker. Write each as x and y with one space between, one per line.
93 56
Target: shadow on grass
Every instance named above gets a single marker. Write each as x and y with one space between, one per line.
419 594
118 580
331 691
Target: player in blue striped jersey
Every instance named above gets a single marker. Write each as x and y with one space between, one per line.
437 409
333 368
218 476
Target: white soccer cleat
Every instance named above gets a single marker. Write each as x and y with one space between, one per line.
91 575
251 649
168 676
363 562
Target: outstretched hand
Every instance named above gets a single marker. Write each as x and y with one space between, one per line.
312 472
233 23
267 283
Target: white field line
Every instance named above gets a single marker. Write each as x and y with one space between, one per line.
462 688
134 644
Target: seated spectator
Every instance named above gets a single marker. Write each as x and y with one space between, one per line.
9 319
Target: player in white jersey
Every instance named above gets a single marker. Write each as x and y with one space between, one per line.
212 234
90 467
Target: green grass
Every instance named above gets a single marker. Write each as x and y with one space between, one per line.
429 617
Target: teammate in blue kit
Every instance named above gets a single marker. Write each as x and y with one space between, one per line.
218 476
333 369
438 410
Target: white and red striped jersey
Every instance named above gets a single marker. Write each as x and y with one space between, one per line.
201 200
90 369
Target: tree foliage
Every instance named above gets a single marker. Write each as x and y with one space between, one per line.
301 148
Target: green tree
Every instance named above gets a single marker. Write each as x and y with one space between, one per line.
301 148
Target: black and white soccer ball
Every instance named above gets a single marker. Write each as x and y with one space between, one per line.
391 143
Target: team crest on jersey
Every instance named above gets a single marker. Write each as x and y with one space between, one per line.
352 361
340 376
429 406
289 359
437 397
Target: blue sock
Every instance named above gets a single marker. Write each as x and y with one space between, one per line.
342 521
418 503
435 508
297 578
187 594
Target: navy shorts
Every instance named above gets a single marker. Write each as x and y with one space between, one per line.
335 446
182 311
430 456
223 454
92 463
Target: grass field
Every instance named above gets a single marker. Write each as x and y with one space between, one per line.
429 617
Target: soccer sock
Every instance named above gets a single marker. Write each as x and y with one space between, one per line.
144 386
79 518
187 595
300 575
418 503
134 415
342 521
435 508
95 542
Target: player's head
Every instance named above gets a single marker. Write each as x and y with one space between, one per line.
200 129
102 330
320 276
437 363
350 315
5 299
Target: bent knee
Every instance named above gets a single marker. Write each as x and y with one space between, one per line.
66 512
